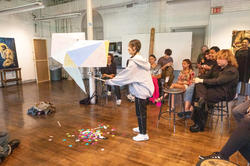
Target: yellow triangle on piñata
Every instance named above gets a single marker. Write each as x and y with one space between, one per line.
106 47
68 61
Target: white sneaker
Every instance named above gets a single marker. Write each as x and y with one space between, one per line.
133 99
129 96
141 137
118 102
109 93
136 129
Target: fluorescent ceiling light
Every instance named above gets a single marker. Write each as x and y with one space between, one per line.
24 8
61 16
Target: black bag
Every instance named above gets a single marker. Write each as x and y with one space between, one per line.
86 101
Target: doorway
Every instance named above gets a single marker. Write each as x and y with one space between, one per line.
198 39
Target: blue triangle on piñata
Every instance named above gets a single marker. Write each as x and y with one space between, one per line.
79 55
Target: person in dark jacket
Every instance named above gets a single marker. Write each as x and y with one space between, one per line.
221 88
240 138
109 72
210 65
243 59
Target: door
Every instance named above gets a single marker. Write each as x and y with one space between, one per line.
41 60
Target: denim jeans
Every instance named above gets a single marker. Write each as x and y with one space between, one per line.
188 95
246 89
240 111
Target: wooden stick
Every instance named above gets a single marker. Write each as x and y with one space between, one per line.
99 79
152 41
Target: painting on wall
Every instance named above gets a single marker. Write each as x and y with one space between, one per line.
8 56
237 38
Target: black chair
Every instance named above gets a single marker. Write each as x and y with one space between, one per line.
220 110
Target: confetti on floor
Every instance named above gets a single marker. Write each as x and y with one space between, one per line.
90 136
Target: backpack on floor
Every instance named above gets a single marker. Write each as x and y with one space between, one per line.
4 147
42 108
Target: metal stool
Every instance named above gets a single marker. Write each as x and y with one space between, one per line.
219 107
222 110
171 92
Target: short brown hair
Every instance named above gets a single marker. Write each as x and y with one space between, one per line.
135 43
112 57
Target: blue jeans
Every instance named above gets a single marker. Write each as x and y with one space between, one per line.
247 89
188 95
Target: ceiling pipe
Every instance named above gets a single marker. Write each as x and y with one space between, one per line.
23 8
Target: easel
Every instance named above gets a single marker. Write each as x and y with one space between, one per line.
18 77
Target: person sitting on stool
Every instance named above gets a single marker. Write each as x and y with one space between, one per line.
109 72
222 88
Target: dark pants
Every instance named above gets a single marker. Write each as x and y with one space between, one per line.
141 113
209 95
239 141
117 91
168 72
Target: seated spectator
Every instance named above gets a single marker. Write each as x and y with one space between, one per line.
6 148
156 74
240 138
203 61
202 55
166 63
185 79
213 90
210 67
109 72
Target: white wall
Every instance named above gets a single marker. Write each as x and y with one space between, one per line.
123 21
21 28
221 31
179 42
141 18
236 16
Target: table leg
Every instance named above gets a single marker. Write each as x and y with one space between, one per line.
4 78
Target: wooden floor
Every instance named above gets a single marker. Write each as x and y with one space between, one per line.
163 148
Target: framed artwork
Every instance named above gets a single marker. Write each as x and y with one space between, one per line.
8 56
237 36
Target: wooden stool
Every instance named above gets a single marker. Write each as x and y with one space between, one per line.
4 80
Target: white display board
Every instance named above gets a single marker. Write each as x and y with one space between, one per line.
179 42
61 42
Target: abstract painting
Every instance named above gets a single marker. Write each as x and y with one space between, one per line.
237 37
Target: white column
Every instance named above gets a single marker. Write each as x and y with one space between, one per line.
90 37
